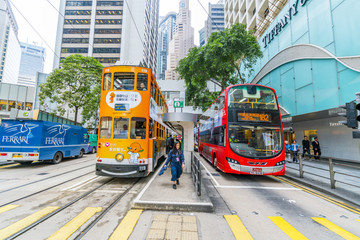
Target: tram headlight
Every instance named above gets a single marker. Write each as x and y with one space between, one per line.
119 157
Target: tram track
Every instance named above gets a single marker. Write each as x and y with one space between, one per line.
47 178
90 225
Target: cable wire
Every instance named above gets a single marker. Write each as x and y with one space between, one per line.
132 17
32 27
209 16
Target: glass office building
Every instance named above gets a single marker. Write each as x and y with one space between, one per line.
312 59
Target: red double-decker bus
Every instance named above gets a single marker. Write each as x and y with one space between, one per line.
241 132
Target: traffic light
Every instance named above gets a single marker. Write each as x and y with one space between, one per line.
351 115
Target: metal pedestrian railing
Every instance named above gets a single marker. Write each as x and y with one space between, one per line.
333 173
196 173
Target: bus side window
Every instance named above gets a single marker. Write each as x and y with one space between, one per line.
107 82
105 127
142 81
151 128
138 128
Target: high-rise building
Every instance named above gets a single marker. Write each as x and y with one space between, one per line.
109 31
256 15
10 52
216 19
202 36
182 41
32 61
166 29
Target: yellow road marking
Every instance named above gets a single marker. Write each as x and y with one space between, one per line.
336 202
237 227
11 165
25 222
68 229
127 225
287 228
7 208
358 220
336 229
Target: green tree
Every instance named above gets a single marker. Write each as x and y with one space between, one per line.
76 84
218 62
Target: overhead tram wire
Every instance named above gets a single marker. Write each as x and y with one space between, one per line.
71 25
209 16
132 17
33 27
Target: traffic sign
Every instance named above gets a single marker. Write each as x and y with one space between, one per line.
178 104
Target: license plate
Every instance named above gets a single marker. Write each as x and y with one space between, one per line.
17 156
257 171
142 168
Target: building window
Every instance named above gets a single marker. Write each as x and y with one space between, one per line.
3 104
74 50
107 60
77 21
108 31
78 12
79 3
109 12
110 3
75 40
108 21
107 40
106 50
76 31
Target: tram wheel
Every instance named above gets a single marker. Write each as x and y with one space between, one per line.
57 158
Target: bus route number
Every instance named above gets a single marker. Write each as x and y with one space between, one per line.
256 117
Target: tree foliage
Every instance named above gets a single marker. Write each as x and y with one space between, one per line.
75 85
218 62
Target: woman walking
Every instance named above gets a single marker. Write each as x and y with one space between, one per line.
176 159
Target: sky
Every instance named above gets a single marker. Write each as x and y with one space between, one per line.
44 18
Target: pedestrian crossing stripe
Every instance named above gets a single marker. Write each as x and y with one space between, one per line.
126 226
287 228
8 207
25 222
237 227
336 229
68 229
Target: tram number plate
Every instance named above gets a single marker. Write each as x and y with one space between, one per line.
142 168
256 171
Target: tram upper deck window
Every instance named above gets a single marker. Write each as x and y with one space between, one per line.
124 81
138 128
105 127
142 81
121 130
107 82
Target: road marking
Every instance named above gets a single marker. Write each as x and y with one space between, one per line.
358 220
237 227
127 225
212 177
25 222
329 199
255 187
287 228
336 229
77 184
11 165
7 208
68 229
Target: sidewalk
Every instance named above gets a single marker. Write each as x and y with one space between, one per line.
321 182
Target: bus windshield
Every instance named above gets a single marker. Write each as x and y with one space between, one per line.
254 122
252 97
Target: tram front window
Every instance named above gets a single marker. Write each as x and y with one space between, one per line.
124 81
121 128
255 141
138 128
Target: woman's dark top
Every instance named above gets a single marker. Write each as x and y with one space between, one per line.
175 157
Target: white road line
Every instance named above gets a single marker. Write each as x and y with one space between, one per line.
77 184
255 187
212 177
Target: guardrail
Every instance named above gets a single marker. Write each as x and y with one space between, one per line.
332 173
196 172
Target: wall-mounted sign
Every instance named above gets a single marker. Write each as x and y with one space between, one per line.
293 10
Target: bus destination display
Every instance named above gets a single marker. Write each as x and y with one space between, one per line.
255 117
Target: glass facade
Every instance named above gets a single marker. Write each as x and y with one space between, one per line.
78 12
76 31
108 31
106 50
110 3
77 21
107 40
75 40
108 21
109 12
78 3
74 50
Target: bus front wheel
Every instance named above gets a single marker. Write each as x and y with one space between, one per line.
57 158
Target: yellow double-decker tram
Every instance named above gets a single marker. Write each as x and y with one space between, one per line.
132 134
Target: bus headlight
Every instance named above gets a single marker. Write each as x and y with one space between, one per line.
119 157
280 163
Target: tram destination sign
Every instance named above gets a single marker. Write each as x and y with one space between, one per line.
254 117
